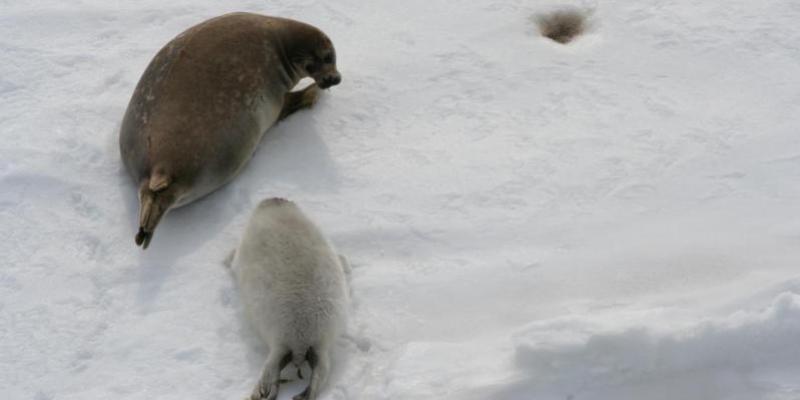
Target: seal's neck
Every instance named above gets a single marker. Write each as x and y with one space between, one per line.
291 73
290 56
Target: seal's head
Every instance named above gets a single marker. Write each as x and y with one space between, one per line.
316 58
323 68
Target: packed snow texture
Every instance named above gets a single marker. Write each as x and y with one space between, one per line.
615 218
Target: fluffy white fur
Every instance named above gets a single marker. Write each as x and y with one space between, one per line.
293 288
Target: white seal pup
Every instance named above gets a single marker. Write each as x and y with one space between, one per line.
294 292
204 102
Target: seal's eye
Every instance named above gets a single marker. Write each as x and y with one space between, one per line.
311 68
328 59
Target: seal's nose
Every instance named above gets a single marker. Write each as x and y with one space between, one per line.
332 80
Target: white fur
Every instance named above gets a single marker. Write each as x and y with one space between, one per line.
292 285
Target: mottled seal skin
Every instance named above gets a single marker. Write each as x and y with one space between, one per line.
294 291
206 99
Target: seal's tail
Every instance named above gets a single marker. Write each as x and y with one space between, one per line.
155 199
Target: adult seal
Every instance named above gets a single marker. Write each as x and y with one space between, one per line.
206 99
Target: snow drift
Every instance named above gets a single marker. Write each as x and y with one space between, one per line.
713 359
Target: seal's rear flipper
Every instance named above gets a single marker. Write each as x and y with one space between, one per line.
158 181
320 364
155 199
267 386
294 101
143 238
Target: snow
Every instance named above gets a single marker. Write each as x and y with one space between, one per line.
611 219
705 361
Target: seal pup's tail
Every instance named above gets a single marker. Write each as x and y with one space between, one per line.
155 199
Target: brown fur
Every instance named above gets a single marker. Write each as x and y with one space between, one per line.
203 103
299 100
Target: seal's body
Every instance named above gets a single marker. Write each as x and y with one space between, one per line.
293 288
204 102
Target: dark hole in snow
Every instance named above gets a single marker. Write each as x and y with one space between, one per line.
562 25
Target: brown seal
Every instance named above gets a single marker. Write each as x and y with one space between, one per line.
206 99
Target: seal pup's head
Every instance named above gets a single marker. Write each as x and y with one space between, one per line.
314 56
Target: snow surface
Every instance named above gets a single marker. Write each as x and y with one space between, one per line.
612 219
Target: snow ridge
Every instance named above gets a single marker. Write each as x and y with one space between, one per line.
589 359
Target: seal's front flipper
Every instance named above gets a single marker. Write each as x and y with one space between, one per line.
294 101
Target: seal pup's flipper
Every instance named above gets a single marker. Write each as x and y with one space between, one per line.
156 196
320 364
298 100
267 386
